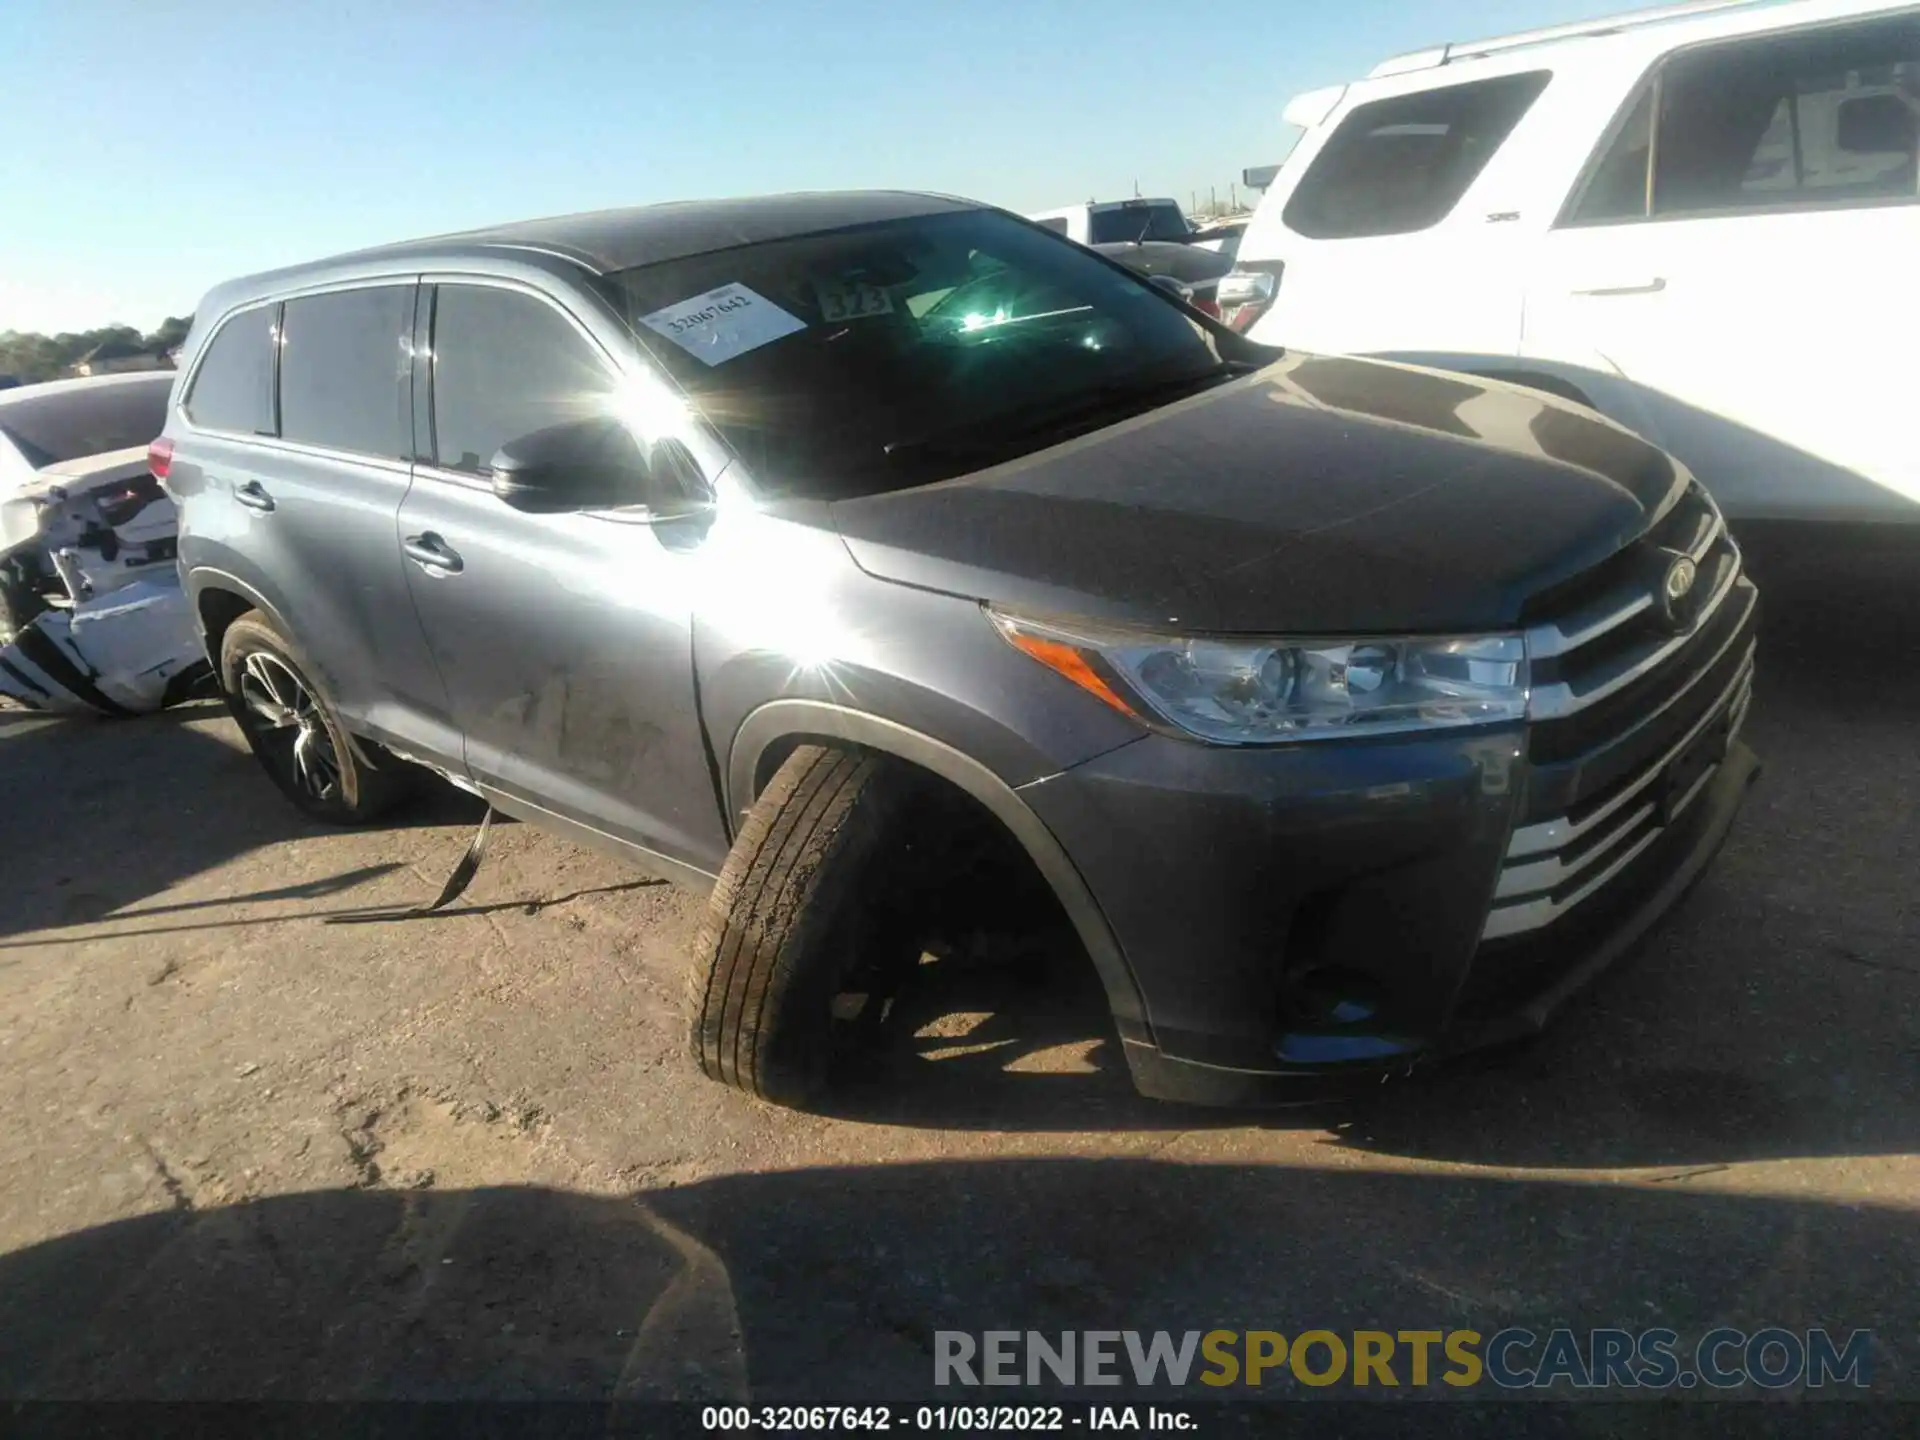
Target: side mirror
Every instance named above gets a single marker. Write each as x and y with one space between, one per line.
590 464
596 464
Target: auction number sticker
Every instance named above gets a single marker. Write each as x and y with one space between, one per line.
851 300
723 323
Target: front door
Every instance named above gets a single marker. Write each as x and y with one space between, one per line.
565 640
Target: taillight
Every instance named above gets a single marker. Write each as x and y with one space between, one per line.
1247 292
160 458
1206 305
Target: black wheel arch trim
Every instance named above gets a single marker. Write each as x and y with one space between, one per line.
203 578
799 721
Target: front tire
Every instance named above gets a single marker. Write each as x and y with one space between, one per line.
294 733
814 908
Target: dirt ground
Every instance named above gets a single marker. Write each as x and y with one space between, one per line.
254 1153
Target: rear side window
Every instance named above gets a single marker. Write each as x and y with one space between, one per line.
344 371
233 388
504 365
73 422
1813 120
1397 166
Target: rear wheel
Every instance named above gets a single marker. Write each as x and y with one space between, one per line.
812 925
294 733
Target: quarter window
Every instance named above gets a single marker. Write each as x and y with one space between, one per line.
1400 165
233 388
344 368
504 366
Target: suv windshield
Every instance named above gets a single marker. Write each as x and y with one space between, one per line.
1146 221
868 359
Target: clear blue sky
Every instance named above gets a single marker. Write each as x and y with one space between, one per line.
155 147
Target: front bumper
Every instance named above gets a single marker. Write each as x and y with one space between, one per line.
1307 920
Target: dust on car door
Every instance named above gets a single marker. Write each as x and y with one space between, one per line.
565 639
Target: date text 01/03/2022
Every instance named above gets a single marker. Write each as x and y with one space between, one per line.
831 1418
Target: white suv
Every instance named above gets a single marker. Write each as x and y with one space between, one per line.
1703 221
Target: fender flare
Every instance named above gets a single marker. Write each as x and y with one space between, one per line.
804 720
203 578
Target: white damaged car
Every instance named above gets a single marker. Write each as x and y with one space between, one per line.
91 612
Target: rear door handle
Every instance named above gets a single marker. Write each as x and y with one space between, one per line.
253 495
1644 287
430 552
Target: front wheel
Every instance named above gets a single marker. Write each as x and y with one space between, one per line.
294 733
811 926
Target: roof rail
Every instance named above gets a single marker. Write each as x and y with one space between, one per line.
1602 25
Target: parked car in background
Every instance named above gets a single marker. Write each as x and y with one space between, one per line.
92 617
1107 222
1221 236
1189 271
79 513
1700 220
876 561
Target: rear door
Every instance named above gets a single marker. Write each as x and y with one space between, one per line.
566 640
1742 256
291 478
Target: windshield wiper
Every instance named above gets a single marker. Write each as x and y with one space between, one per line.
1086 409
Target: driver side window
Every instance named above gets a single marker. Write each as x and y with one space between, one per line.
506 364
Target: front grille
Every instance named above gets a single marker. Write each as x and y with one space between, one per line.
1631 707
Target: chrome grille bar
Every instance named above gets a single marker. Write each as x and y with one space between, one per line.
1567 633
1557 833
1552 702
1531 891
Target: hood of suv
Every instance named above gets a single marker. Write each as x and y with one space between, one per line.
1319 495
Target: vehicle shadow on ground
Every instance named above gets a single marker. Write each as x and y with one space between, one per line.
101 814
829 1285
1770 1015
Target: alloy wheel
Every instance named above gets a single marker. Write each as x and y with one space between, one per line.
282 705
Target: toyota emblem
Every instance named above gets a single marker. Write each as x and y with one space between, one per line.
1675 584
1680 577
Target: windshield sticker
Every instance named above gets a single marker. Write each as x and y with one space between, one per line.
723 323
851 300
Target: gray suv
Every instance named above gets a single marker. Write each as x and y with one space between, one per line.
874 560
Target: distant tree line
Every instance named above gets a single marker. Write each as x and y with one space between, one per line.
29 358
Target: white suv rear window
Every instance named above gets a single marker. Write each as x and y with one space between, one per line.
1400 165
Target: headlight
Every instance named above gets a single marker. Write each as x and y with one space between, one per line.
1261 691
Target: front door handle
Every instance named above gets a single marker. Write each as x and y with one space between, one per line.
1643 287
254 496
430 552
